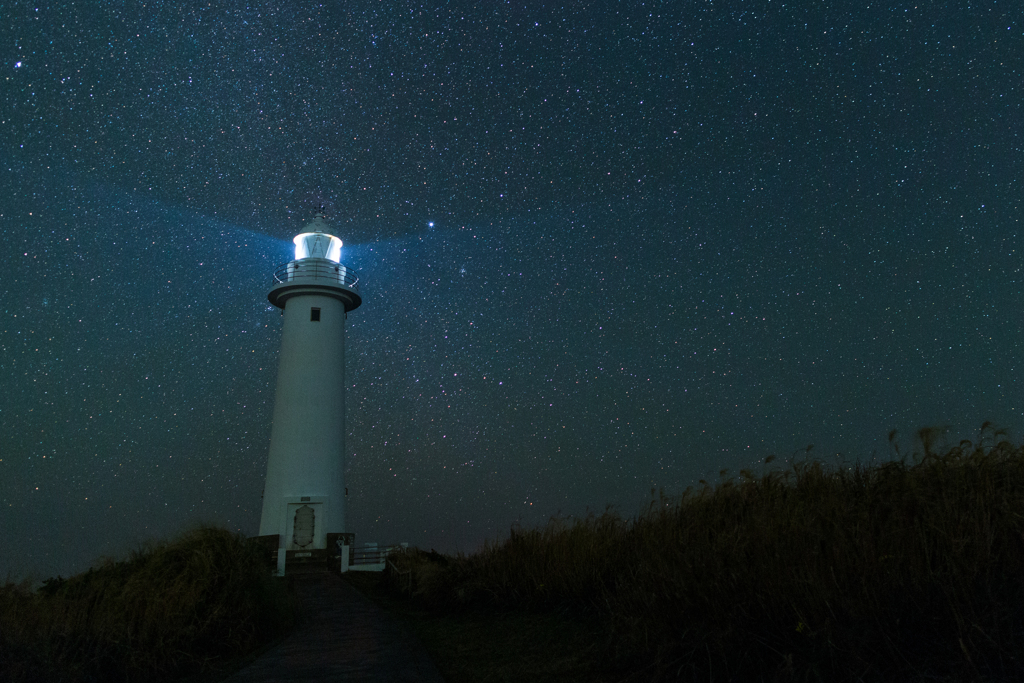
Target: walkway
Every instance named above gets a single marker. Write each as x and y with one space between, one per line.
344 637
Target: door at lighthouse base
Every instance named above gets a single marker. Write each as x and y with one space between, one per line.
304 526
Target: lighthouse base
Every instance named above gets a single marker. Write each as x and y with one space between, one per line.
282 561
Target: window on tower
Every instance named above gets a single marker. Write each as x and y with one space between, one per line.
314 315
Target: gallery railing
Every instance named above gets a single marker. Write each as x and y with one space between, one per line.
316 269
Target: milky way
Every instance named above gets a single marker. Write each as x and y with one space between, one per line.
604 248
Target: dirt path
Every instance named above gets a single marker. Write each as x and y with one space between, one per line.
344 637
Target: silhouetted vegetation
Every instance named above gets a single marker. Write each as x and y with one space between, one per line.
906 570
173 609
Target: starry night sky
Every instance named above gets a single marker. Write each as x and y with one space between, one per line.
604 247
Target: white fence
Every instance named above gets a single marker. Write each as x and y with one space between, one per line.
369 558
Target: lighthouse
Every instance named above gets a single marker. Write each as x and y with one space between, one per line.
304 492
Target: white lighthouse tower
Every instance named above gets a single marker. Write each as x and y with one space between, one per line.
304 493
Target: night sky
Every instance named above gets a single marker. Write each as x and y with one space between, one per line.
604 248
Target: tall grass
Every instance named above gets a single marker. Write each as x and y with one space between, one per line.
173 609
907 570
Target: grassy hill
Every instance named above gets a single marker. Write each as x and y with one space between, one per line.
906 570
909 570
174 609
